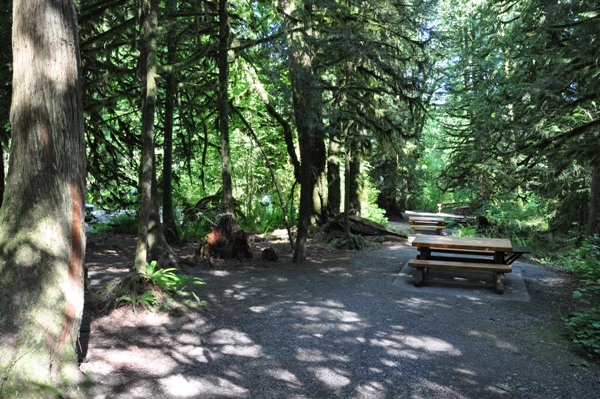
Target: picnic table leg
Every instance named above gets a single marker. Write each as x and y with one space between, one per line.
499 283
499 257
420 276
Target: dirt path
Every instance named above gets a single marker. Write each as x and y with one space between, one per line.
334 327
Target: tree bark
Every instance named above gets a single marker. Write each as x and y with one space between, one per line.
170 226
593 222
307 104
228 206
42 233
151 244
334 188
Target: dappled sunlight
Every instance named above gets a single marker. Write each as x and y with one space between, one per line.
235 343
189 386
284 375
498 341
332 378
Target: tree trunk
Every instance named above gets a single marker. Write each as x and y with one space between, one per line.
171 229
334 188
593 221
42 233
228 206
151 244
356 184
307 111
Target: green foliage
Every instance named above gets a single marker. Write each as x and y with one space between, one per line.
368 207
123 223
584 324
514 217
587 262
154 289
345 241
466 230
264 218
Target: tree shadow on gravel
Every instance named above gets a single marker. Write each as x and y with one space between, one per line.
334 328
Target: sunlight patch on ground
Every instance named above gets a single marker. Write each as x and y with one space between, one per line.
331 378
284 375
258 309
189 387
318 313
431 344
310 355
235 343
219 273
371 389
414 347
115 360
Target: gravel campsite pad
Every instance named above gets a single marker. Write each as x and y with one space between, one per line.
337 326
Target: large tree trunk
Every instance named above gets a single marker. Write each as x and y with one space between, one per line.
42 233
307 104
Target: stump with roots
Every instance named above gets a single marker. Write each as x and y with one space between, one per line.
225 241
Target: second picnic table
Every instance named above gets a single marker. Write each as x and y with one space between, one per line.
475 254
427 222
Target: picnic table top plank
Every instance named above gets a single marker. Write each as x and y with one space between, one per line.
468 243
426 219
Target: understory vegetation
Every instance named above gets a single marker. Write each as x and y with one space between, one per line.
153 289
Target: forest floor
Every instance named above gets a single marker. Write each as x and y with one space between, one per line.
336 326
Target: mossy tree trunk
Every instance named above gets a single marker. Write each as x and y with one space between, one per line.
42 233
152 244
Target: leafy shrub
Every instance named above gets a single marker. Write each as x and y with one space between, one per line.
584 324
264 218
369 209
466 230
152 289
123 223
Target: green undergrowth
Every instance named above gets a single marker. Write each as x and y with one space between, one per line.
584 324
153 289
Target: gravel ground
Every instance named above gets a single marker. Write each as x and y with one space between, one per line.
338 327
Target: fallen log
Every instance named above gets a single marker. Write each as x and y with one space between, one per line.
361 226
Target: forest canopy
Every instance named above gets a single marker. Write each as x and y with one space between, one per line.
383 105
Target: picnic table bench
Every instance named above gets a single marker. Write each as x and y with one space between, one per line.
426 222
465 253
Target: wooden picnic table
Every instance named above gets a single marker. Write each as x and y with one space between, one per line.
426 222
476 254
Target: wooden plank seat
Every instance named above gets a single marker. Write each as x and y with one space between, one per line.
423 266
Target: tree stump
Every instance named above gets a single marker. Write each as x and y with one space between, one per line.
225 241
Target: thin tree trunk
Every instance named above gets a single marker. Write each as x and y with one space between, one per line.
170 226
42 233
148 63
223 108
334 189
593 221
